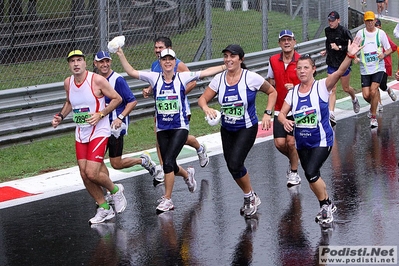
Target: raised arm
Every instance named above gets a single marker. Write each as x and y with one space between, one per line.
211 71
125 64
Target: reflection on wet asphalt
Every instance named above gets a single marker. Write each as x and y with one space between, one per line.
206 228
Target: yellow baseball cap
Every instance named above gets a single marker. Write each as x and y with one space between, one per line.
75 53
369 15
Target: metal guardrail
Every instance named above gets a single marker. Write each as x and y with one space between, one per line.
26 113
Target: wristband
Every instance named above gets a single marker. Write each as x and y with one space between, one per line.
350 56
61 115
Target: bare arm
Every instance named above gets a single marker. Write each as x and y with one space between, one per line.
126 66
271 101
103 88
181 67
212 71
206 96
282 117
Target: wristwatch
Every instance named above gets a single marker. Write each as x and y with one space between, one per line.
339 47
121 116
268 112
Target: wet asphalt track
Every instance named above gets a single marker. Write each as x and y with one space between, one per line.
206 228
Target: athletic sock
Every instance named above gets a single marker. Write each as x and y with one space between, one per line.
249 194
116 189
105 205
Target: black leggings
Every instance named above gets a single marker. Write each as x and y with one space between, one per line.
236 146
170 143
312 160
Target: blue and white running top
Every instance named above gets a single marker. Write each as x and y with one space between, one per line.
237 101
122 88
312 117
170 98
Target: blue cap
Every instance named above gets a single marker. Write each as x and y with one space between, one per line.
286 33
102 55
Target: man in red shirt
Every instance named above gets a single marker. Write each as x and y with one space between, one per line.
282 75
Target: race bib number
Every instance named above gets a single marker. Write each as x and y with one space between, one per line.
306 118
371 57
233 110
80 115
168 104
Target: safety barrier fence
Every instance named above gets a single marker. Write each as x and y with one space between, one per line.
26 113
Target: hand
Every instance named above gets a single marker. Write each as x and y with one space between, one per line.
397 75
288 125
56 121
210 112
266 122
94 119
354 47
323 53
147 92
117 123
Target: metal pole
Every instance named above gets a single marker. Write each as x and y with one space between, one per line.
118 8
208 29
103 24
265 29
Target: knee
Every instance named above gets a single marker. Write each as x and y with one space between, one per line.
237 172
116 164
312 177
168 168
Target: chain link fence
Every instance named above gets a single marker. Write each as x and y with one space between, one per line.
35 36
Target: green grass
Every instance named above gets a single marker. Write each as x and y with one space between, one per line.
26 160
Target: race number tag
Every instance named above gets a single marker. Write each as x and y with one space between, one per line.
168 104
306 118
233 110
80 115
371 57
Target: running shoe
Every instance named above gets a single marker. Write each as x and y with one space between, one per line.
391 94
369 114
159 175
373 123
250 205
102 215
293 179
356 105
190 181
165 205
147 163
332 119
203 156
380 107
325 214
119 199
108 198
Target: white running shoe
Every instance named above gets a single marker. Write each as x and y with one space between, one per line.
147 163
203 156
373 123
250 205
293 179
159 176
356 105
391 94
102 215
190 181
119 198
165 205
325 214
